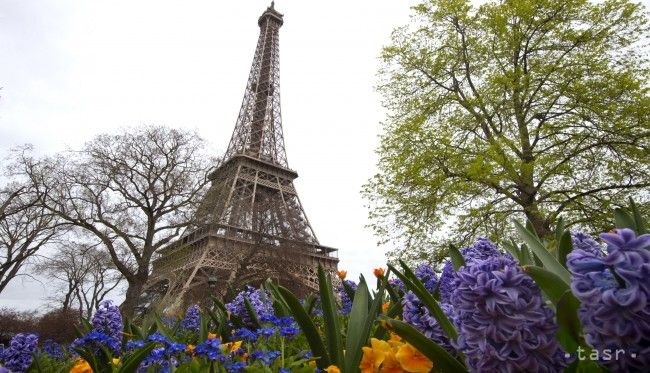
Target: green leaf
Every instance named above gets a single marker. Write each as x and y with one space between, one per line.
219 304
531 229
551 284
512 249
549 262
309 303
152 329
307 326
564 247
130 364
216 318
569 323
35 365
394 297
331 317
639 222
204 327
86 325
252 314
559 229
457 259
356 325
90 359
137 332
78 332
527 257
279 305
442 360
623 220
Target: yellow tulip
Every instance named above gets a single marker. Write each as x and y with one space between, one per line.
212 335
412 360
371 360
81 366
389 363
332 369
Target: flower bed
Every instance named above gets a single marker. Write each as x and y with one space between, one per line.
572 303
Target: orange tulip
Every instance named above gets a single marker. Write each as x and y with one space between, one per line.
379 272
371 360
81 366
332 369
412 360
342 274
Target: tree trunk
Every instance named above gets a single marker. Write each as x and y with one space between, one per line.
539 223
133 293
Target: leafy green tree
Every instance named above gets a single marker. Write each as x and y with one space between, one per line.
512 109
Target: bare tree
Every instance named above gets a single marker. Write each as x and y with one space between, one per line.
25 227
85 274
135 192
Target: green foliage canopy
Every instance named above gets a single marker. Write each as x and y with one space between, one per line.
535 108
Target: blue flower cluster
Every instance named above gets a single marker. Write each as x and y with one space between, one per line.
52 349
210 348
289 332
245 334
502 321
166 355
284 326
346 301
192 318
265 357
480 250
18 356
261 304
155 361
108 320
134 344
95 340
614 290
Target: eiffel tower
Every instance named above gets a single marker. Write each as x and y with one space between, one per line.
251 224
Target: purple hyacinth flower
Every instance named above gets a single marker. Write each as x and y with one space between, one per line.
346 301
480 250
261 304
614 290
502 321
18 356
585 242
428 276
108 320
192 318
417 314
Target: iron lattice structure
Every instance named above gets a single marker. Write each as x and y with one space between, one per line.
251 225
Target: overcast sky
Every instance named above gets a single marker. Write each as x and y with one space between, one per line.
70 70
